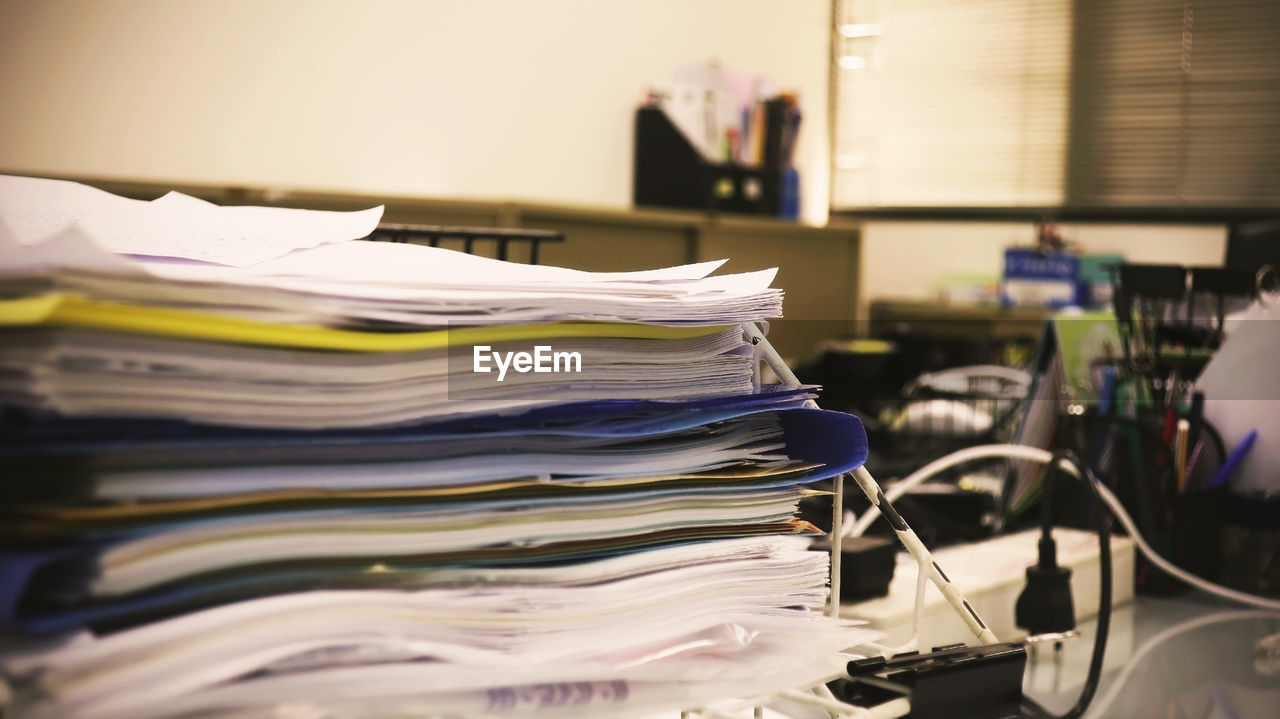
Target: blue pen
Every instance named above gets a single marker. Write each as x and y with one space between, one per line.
1102 433
1233 461
1108 388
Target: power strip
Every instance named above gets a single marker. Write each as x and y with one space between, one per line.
991 574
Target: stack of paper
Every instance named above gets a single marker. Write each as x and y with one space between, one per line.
327 333
256 465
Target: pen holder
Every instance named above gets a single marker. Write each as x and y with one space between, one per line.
1249 544
1197 533
1230 539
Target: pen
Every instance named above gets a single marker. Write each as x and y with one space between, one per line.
1102 434
1180 453
1168 438
1170 425
1233 460
1196 415
1108 389
1192 460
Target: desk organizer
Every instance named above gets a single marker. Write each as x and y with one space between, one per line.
670 172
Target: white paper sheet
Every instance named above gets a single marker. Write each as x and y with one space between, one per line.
1241 386
734 610
35 208
173 226
410 265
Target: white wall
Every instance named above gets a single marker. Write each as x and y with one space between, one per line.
497 99
904 259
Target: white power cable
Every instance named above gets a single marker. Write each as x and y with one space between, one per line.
927 472
1034 454
1177 572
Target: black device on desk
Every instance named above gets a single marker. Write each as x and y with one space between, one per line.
982 682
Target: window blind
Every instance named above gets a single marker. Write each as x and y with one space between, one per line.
1175 104
951 103
1047 103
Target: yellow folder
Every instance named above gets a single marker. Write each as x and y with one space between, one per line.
68 310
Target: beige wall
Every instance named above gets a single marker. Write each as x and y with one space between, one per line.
437 98
444 98
904 259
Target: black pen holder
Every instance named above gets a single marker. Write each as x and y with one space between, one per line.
1230 539
1197 531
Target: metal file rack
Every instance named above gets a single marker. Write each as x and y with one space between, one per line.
434 234
820 695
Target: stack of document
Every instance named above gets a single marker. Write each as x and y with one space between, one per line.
255 465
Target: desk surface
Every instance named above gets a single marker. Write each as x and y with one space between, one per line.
1190 657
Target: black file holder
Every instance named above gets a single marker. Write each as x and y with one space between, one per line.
670 172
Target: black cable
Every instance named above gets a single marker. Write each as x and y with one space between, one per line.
1031 707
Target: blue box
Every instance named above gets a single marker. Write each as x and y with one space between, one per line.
1043 279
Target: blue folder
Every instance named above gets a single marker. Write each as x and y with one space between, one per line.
833 440
32 436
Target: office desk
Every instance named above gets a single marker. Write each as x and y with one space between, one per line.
982 322
1189 657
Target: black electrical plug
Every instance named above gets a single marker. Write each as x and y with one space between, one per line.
1045 605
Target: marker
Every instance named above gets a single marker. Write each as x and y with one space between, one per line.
1233 460
1102 434
1196 415
1180 453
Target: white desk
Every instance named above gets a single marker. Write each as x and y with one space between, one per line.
1189 657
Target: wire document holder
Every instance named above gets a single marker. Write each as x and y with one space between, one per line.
820 695
502 237
764 352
